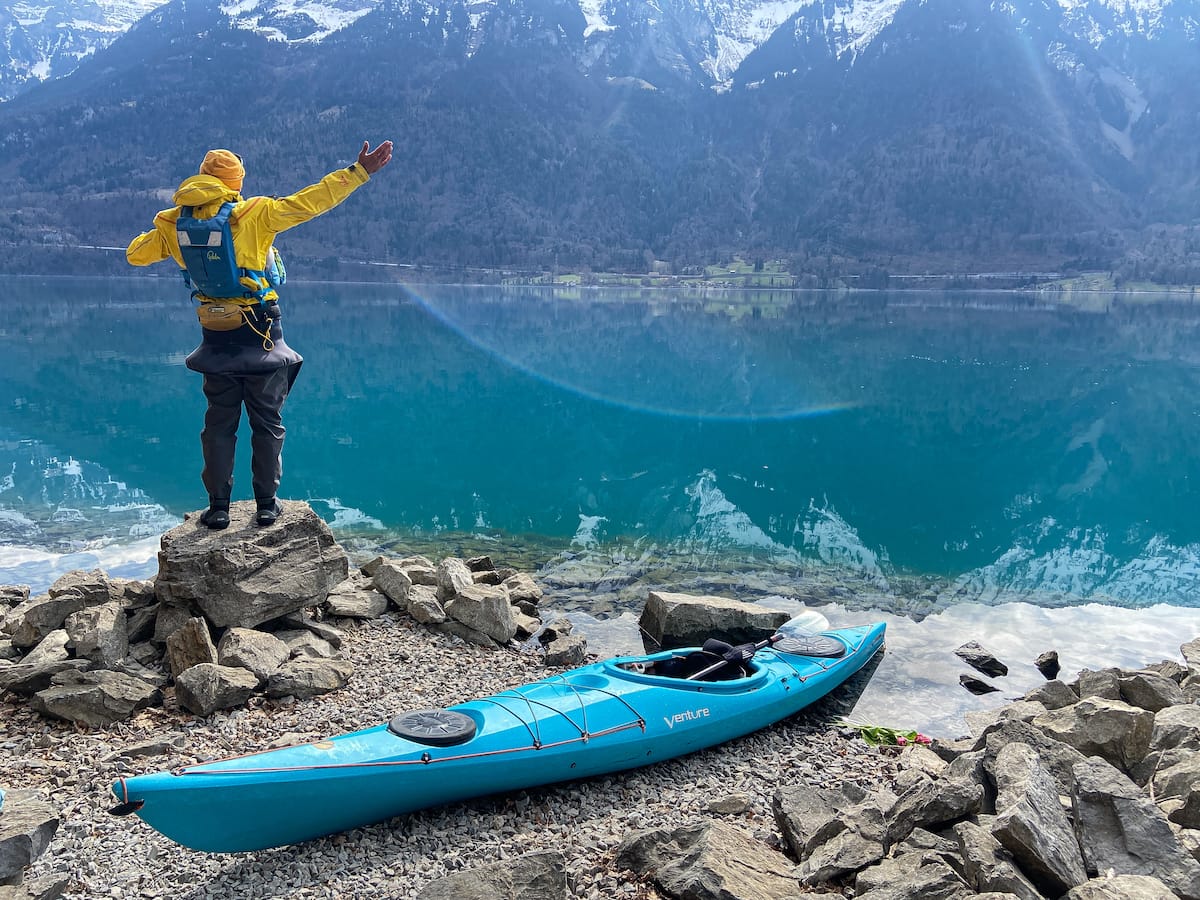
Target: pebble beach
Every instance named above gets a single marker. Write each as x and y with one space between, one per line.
400 666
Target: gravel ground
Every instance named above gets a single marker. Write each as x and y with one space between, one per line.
399 666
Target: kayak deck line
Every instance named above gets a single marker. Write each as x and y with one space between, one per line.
536 743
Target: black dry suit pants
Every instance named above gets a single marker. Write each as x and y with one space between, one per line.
263 396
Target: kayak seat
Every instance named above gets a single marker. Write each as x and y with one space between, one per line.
698 661
435 727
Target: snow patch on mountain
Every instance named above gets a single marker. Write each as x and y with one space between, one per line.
296 21
854 25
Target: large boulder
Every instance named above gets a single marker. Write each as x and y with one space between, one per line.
95 698
684 620
1098 726
1031 823
1120 828
710 861
245 575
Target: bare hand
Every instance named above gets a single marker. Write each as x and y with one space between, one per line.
374 160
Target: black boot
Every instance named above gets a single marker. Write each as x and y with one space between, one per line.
217 514
268 510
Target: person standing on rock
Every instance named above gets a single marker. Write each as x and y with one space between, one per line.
225 246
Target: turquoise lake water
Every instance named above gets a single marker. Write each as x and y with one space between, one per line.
968 466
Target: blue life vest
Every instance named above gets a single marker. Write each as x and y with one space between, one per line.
211 268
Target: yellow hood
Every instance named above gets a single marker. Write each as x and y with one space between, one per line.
202 191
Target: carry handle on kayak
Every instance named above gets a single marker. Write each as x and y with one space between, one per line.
738 654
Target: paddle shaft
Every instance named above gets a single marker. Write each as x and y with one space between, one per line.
754 648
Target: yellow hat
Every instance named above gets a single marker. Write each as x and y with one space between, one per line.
224 166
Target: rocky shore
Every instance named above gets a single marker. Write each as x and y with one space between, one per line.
1087 788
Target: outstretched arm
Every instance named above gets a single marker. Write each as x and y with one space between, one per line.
280 214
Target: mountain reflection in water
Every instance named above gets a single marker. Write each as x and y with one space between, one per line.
944 460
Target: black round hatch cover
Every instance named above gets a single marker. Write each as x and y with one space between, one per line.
811 645
435 727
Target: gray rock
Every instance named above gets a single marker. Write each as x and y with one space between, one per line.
481 564
975 656
709 861
1121 887
255 651
306 677
931 804
139 623
1096 726
464 632
100 633
1053 695
393 581
420 570
1058 758
1188 815
190 645
534 876
424 606
93 588
1176 727
145 653
809 815
975 685
452 577
302 620
8 651
136 593
1180 773
33 620
13 594
94 698
25 679
51 887
1148 690
1120 828
523 589
245 575
683 620
1047 663
207 687
51 649
303 643
485 609
27 825
1102 683
527 626
1168 668
987 866
842 855
982 720
1191 655
569 650
491 577
171 617
912 876
356 604
1031 824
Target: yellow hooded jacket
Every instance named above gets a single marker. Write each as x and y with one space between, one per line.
254 222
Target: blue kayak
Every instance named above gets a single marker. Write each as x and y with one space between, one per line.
606 717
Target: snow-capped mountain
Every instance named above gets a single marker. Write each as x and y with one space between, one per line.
48 39
705 40
606 132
